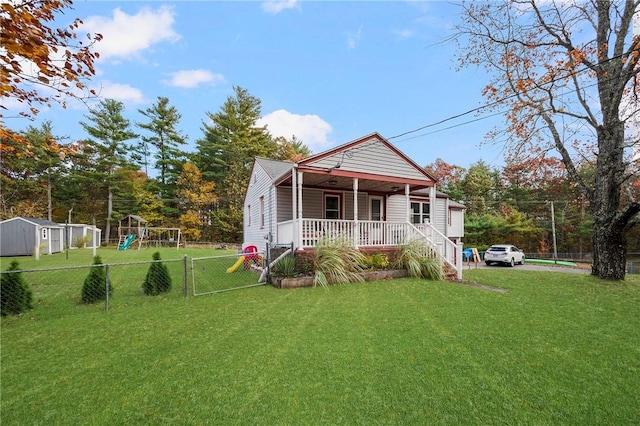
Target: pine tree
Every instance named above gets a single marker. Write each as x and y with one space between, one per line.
110 131
15 294
158 279
93 289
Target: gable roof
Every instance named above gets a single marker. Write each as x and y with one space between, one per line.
275 168
371 155
34 221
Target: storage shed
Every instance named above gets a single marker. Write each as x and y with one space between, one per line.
80 235
26 236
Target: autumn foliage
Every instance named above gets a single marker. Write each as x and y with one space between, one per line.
36 56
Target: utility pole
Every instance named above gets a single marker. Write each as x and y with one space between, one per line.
553 232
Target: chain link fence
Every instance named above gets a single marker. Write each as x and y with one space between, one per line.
53 292
215 274
59 291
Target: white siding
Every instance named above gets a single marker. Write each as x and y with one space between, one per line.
371 157
397 208
259 186
456 229
284 204
440 222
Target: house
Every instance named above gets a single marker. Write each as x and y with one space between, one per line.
25 236
366 190
81 235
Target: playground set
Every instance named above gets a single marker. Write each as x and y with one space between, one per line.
132 230
250 256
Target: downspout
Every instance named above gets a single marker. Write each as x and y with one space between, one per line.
38 233
356 229
300 209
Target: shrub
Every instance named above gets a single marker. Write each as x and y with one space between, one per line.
15 294
336 261
94 287
376 262
158 279
81 242
420 261
284 268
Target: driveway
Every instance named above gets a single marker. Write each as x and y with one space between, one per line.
530 267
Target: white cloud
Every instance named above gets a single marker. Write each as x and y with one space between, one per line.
126 35
354 39
277 6
404 33
312 130
121 92
193 78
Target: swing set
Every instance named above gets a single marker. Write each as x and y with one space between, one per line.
132 229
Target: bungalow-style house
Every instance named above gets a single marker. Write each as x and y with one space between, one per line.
25 236
79 234
366 190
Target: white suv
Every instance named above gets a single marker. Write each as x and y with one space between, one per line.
504 253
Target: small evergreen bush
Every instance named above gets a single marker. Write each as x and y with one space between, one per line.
158 279
94 287
15 294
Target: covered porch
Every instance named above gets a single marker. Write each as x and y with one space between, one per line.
371 234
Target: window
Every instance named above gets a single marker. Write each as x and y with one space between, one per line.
261 212
249 215
45 233
331 206
419 213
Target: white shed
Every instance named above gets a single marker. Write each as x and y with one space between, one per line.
25 236
82 235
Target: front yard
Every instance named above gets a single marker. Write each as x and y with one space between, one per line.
556 348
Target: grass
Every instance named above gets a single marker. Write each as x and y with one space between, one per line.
556 348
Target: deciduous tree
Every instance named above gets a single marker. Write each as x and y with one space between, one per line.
37 58
566 73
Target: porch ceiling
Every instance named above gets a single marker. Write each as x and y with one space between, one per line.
345 183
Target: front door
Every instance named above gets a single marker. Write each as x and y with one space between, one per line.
376 214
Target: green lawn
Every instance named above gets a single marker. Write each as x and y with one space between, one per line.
557 348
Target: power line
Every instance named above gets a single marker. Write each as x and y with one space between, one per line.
500 101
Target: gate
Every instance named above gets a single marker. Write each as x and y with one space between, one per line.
216 274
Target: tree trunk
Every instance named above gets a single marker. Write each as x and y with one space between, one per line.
107 231
609 231
609 251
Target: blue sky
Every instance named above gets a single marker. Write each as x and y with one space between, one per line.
327 72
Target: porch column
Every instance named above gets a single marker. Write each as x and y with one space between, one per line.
299 236
407 205
294 207
432 205
356 227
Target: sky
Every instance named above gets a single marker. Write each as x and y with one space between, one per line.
328 72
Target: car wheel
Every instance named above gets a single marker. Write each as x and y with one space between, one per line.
488 263
522 261
512 263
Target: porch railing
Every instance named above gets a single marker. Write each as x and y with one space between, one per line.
371 234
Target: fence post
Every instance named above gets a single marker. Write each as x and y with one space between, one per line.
185 276
267 261
106 299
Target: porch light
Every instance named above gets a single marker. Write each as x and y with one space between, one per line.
333 181
395 188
